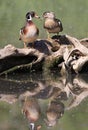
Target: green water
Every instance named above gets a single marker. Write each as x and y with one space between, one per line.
73 14
11 118
74 17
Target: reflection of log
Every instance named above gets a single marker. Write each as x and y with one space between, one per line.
53 89
78 88
78 99
29 87
8 98
16 87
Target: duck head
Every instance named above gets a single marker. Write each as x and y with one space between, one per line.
48 14
31 15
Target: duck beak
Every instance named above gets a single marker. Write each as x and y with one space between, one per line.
36 16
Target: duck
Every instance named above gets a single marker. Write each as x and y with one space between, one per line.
30 32
51 23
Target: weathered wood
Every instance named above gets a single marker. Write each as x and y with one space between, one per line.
45 54
33 57
76 58
12 58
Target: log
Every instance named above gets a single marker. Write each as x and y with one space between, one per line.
44 55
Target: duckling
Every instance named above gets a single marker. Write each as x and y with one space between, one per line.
29 33
51 23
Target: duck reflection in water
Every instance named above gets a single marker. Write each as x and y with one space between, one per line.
31 110
54 112
62 94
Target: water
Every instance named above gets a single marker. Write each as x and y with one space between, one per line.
60 103
40 101
73 15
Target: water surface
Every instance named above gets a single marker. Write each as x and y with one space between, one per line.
43 101
60 103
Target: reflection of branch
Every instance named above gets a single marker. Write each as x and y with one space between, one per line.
13 80
78 99
79 90
8 98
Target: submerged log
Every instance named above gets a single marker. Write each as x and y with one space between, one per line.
45 54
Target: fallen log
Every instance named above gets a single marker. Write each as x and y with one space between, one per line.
44 55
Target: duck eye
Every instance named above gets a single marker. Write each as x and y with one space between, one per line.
32 14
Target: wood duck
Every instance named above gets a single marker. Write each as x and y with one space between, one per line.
51 23
29 33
